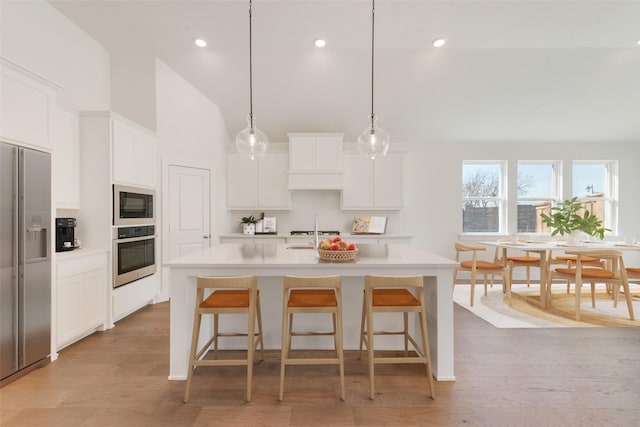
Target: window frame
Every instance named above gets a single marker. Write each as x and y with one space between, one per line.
556 190
500 200
611 196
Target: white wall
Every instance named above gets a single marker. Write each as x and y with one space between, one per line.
191 133
36 36
133 87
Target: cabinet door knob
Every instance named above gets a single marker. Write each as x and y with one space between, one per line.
205 237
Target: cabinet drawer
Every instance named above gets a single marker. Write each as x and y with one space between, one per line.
81 265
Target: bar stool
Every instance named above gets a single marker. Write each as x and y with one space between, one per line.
324 295
389 294
232 295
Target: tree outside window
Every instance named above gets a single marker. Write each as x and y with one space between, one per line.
482 202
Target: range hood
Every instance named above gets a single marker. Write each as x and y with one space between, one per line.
315 161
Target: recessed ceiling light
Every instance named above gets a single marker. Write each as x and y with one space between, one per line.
200 42
639 42
439 42
320 42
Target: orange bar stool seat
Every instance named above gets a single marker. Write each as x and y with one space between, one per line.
231 295
308 295
390 294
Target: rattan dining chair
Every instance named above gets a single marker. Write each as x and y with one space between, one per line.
527 260
615 274
477 267
569 260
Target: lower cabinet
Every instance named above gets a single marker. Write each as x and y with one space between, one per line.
81 289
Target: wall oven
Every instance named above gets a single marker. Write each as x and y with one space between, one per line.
133 205
134 253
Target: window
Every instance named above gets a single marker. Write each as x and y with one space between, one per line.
483 205
594 183
537 190
488 206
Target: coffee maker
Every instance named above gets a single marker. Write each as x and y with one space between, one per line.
65 234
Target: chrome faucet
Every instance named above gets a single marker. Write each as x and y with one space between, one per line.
315 232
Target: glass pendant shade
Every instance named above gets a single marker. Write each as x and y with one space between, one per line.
374 141
251 141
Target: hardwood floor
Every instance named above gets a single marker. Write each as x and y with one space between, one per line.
505 377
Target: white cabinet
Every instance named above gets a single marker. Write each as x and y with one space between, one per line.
242 239
315 161
27 106
258 184
66 158
373 184
134 154
81 287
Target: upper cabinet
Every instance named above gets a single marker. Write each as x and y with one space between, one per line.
27 106
133 154
66 158
258 184
315 161
373 184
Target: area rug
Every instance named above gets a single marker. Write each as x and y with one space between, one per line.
494 307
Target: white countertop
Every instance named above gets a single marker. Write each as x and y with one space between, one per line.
280 255
78 253
345 236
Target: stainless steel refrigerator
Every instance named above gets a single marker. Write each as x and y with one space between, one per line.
25 258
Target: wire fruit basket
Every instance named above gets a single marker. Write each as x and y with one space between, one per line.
337 256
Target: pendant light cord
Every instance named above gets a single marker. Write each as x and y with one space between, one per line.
373 21
250 71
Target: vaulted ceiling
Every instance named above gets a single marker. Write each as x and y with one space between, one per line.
510 70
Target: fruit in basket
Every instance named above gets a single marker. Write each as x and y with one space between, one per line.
337 239
336 245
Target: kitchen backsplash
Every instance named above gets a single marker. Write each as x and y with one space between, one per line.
325 204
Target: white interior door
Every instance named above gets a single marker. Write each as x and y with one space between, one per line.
189 216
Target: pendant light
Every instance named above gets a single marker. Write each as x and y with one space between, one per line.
374 141
251 142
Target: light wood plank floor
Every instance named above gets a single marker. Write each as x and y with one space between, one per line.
505 377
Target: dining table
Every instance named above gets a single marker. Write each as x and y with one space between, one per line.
544 247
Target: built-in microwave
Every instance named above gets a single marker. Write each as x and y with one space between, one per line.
133 205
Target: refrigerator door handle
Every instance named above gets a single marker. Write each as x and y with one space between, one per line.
17 273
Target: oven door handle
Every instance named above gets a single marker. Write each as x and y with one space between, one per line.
134 239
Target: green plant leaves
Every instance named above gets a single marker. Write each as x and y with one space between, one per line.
566 218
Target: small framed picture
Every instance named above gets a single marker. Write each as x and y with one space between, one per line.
269 225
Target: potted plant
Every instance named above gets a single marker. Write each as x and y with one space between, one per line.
248 224
567 218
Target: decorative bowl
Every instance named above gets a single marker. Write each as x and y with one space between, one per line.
337 256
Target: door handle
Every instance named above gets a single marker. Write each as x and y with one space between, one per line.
205 237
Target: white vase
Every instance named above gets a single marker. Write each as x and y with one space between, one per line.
248 229
573 239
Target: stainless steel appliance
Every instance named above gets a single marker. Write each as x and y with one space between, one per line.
312 232
134 254
65 234
25 259
133 205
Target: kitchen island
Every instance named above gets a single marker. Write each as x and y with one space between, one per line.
271 261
